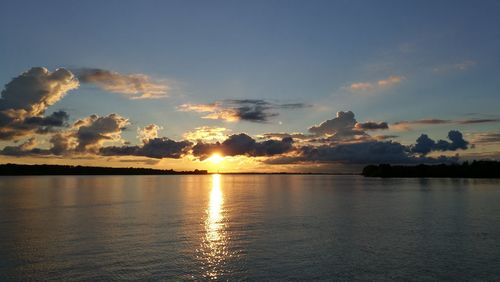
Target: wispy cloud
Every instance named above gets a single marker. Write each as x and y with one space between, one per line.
486 138
407 124
459 66
366 86
253 110
133 86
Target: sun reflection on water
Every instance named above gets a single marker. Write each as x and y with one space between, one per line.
215 241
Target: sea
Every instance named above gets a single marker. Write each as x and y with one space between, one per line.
248 228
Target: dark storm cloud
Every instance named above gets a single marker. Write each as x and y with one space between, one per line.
157 148
253 110
244 145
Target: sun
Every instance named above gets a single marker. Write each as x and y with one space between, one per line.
216 158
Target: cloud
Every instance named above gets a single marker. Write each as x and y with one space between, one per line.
425 145
357 153
407 124
231 110
342 126
374 150
384 137
62 144
475 121
207 134
460 66
486 138
372 125
244 145
133 86
281 135
148 132
361 86
375 85
26 148
26 97
157 148
58 118
32 92
92 131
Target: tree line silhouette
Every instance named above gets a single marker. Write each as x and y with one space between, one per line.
475 169
18 169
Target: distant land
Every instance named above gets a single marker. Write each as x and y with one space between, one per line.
475 169
17 169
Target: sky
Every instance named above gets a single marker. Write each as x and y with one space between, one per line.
265 85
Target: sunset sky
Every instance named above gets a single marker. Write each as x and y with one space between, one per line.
262 85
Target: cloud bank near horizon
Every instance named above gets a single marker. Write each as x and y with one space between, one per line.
341 139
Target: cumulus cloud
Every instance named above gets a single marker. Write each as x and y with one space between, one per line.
157 148
62 144
242 144
376 152
92 131
343 125
26 97
253 110
375 85
424 144
134 86
32 92
148 132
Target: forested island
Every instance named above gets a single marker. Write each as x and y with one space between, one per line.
475 169
17 169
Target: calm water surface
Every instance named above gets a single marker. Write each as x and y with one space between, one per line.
254 227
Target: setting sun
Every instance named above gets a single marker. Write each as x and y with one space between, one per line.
216 158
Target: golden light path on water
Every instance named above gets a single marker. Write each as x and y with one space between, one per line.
215 242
